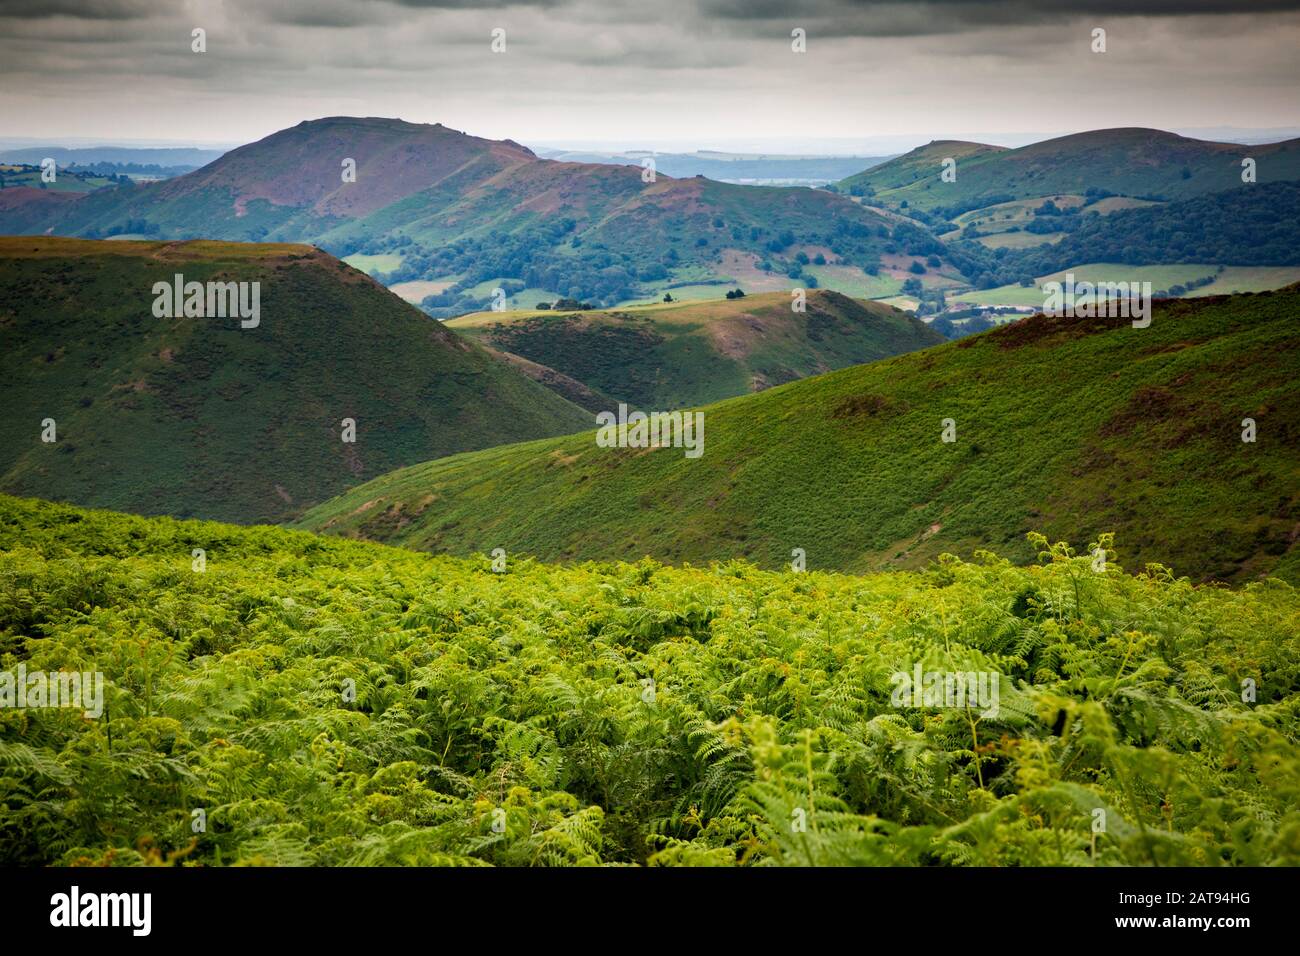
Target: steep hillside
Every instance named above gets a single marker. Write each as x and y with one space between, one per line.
1071 426
290 185
469 210
680 354
26 209
204 417
1144 163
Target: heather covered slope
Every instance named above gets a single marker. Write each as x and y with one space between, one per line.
1147 163
1071 426
679 354
290 185
450 206
200 417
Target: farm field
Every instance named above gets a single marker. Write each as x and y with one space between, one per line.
416 290
374 265
1232 279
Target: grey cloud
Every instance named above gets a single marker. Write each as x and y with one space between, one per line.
78 9
854 18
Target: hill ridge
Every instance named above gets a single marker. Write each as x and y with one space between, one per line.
208 417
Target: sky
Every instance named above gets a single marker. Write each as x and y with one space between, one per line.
660 74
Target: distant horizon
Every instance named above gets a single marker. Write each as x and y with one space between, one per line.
866 147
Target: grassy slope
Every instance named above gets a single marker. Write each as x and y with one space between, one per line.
200 417
617 713
1131 162
675 355
906 176
1074 427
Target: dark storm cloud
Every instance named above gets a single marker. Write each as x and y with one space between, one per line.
921 17
348 13
78 9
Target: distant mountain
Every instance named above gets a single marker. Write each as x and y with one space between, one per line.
1071 427
204 417
690 353
1143 163
120 155
445 204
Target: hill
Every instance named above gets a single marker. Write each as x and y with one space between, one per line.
205 417
470 211
1142 163
1071 426
1246 227
675 355
338 703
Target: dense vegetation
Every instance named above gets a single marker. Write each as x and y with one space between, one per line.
308 701
1069 426
200 417
681 354
1255 226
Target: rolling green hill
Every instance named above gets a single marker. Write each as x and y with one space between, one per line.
337 703
674 355
201 417
1143 163
1071 426
451 204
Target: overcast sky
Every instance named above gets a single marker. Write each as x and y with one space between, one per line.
656 73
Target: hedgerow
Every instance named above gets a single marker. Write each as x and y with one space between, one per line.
622 713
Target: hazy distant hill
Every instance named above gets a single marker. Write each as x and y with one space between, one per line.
122 155
202 417
731 167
